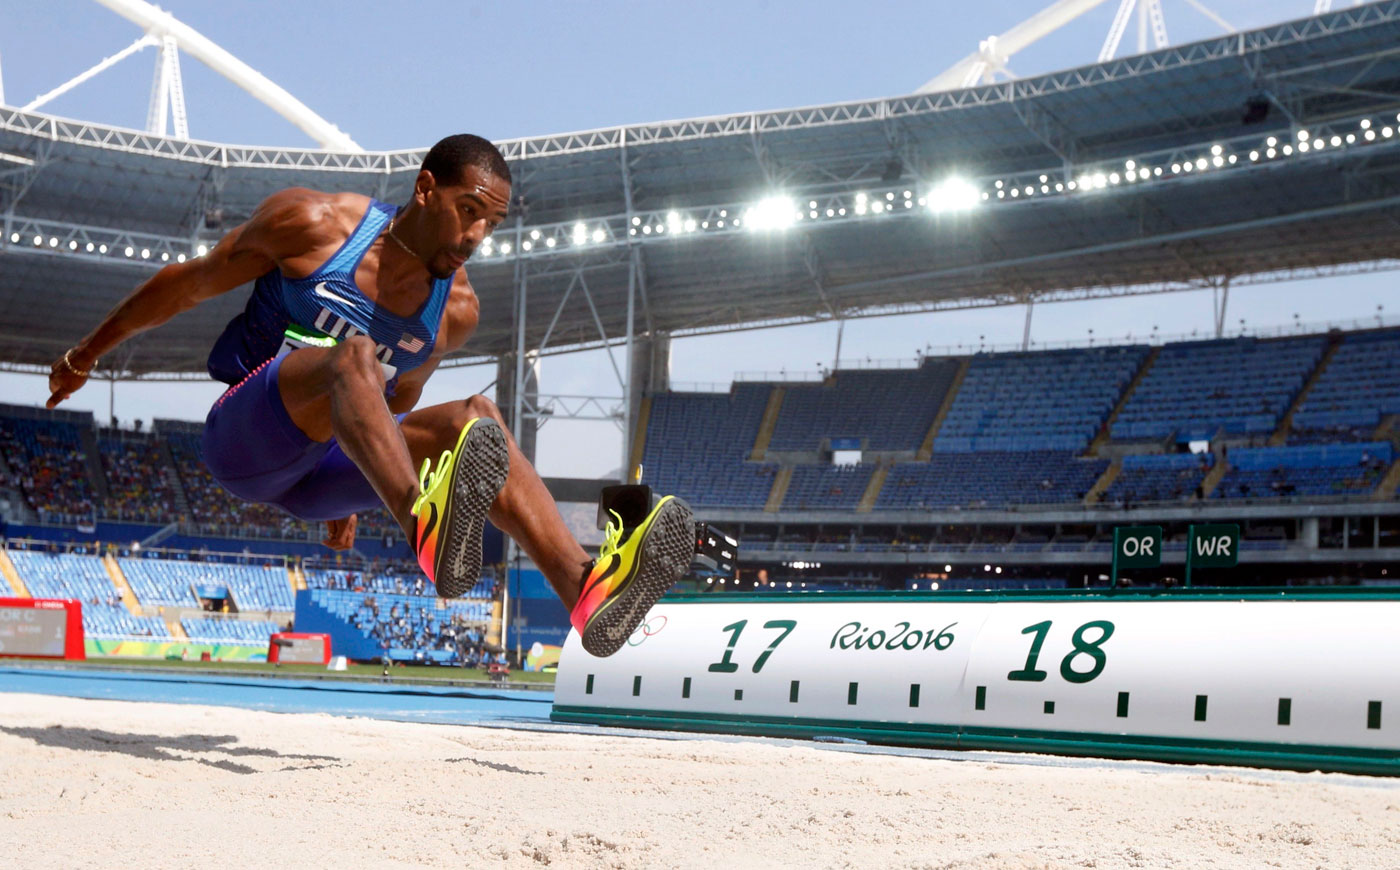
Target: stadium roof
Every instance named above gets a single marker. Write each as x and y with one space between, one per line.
1143 174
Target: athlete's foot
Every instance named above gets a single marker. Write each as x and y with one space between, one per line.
452 506
635 568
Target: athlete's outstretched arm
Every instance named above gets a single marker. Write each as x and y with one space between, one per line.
286 225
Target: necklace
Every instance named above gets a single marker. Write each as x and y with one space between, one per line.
400 242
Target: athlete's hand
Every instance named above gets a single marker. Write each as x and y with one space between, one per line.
67 375
340 534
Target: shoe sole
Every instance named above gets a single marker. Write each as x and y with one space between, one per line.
666 552
477 478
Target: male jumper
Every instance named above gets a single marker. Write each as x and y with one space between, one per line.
354 304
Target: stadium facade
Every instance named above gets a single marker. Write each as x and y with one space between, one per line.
1254 157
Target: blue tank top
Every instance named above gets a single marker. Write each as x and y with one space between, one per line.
327 302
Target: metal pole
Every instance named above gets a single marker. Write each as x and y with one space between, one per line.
1026 333
840 333
516 410
627 387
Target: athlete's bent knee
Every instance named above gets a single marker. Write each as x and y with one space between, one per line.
480 406
355 358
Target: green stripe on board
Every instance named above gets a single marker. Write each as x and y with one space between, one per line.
1180 593
1285 756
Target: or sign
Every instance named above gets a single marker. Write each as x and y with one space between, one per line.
1216 545
1136 547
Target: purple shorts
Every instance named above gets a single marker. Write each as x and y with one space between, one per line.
256 452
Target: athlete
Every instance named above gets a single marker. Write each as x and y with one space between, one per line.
355 303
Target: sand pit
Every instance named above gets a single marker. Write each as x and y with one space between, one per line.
105 783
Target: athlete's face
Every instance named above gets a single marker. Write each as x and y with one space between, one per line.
463 215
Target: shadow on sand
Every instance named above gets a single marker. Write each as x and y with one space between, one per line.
156 747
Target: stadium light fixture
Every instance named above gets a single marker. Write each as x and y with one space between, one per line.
954 194
18 159
202 250
598 235
580 234
101 249
505 247
14 237
53 241
89 247
549 242
145 253
534 235
38 241
1365 123
180 258
72 245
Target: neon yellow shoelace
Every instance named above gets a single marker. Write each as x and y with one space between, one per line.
611 535
428 482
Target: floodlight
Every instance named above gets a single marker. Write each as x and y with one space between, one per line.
89 247
580 234
53 241
202 250
1335 141
549 242
101 249
534 235
72 245
1217 161
130 251
1200 163
180 258
1216 150
1271 141
954 193
1365 123
646 230
145 253
505 247
1370 135
14 237
1288 149
636 221
1302 135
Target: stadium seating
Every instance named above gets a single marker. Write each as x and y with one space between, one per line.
990 480
82 577
884 409
1306 470
49 466
401 627
1170 477
1360 385
827 487
698 443
1201 389
406 581
173 582
137 486
1049 400
238 631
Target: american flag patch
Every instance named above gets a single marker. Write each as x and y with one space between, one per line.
410 344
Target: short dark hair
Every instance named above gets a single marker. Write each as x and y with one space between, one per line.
448 158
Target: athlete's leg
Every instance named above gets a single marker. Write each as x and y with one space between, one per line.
524 509
338 392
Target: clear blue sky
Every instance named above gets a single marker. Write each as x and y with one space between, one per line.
404 74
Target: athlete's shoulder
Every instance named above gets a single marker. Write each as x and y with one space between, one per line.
298 221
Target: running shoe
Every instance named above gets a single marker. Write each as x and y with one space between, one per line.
452 505
635 567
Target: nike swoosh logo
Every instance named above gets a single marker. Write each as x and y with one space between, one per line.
320 290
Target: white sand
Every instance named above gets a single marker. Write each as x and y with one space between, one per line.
105 784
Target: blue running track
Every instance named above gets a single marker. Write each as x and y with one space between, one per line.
448 705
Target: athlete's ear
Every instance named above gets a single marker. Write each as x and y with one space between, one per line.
423 185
